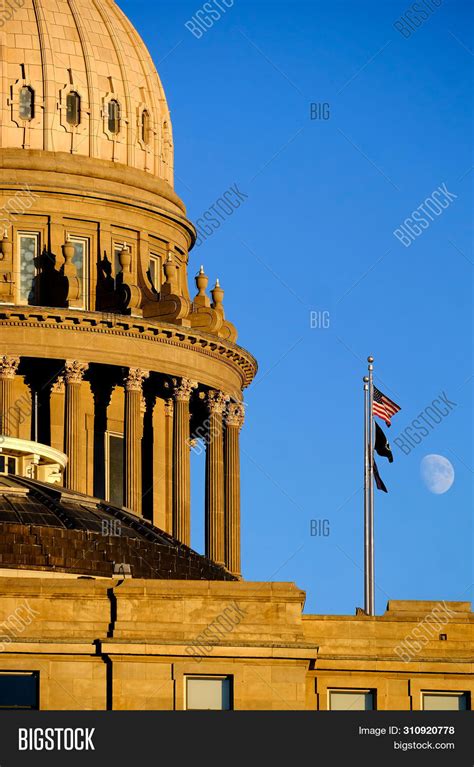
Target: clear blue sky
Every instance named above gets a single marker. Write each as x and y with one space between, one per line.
316 234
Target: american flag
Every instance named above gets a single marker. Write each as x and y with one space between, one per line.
384 407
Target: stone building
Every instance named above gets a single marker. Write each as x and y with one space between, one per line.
109 370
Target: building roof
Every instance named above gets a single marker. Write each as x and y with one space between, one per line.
48 528
90 48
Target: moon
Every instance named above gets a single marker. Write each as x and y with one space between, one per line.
437 473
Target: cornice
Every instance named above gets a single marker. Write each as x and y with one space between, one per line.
121 326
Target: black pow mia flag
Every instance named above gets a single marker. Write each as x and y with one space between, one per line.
382 446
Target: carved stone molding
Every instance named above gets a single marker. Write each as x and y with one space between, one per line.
8 366
80 322
217 401
134 380
59 385
169 408
74 371
235 415
183 390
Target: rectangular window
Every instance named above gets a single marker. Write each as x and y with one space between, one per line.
155 272
81 262
116 265
19 690
208 693
7 465
114 458
445 701
29 250
351 700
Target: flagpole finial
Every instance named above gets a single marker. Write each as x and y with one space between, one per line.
366 379
370 360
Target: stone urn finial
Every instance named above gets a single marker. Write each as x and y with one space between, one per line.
6 247
169 268
217 294
68 250
202 281
125 258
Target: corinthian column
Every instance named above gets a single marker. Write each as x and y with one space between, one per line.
168 465
74 434
215 528
133 439
234 420
8 368
181 462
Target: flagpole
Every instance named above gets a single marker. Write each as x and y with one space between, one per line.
370 535
366 497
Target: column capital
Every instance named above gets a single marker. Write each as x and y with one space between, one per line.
58 386
8 366
217 401
183 390
74 371
135 378
235 415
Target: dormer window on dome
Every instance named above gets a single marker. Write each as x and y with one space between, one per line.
114 117
26 103
145 127
73 108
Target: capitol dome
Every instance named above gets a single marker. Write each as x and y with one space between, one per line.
77 78
111 371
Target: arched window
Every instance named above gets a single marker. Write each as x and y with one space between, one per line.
145 127
73 108
27 103
114 117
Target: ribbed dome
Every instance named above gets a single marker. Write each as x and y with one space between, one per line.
77 78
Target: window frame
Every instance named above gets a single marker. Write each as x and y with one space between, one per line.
224 677
110 433
74 93
445 694
157 261
145 127
37 236
117 118
34 675
7 458
116 268
85 269
31 91
357 691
